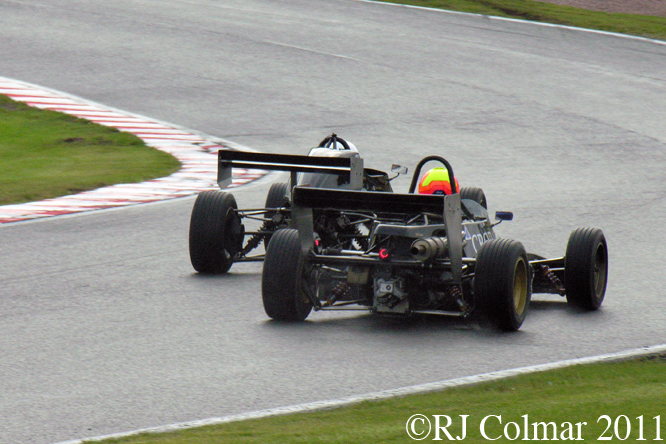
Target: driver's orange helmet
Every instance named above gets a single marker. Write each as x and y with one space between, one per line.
436 181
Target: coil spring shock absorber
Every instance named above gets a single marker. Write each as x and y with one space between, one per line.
553 280
268 225
455 293
338 292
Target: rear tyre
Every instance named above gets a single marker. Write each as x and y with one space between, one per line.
502 283
281 279
586 268
216 232
276 198
475 194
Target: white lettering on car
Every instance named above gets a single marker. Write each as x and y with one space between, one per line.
478 239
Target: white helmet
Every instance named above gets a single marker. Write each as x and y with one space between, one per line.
334 146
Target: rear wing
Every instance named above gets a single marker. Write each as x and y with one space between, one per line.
306 199
412 204
351 167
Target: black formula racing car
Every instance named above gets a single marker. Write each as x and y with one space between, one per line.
412 253
339 238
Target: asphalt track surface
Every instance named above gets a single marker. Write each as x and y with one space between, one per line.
105 326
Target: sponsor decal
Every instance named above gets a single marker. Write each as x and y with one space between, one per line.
479 238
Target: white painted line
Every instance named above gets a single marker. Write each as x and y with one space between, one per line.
135 124
69 108
118 119
197 154
386 394
508 19
96 114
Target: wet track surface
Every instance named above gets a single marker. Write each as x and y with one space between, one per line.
105 326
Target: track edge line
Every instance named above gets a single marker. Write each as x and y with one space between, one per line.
386 394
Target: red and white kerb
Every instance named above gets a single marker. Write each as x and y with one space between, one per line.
196 153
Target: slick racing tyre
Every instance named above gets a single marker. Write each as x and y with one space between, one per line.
586 268
502 289
475 194
276 198
281 279
216 233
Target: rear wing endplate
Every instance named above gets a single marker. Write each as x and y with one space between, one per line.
351 167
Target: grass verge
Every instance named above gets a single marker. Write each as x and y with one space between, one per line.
639 25
631 394
46 154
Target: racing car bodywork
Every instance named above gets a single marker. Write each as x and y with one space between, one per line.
435 254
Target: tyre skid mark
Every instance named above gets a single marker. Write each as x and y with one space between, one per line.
196 153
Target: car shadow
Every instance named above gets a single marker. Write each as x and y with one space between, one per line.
231 275
369 323
549 305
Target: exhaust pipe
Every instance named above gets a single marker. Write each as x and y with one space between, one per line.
429 248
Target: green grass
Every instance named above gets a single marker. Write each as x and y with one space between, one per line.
46 154
571 395
639 25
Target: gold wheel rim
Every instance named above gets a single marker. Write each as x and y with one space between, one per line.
520 287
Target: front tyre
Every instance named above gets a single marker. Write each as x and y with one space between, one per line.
281 279
475 194
215 232
277 195
502 283
276 198
586 268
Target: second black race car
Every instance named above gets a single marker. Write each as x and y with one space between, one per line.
220 232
